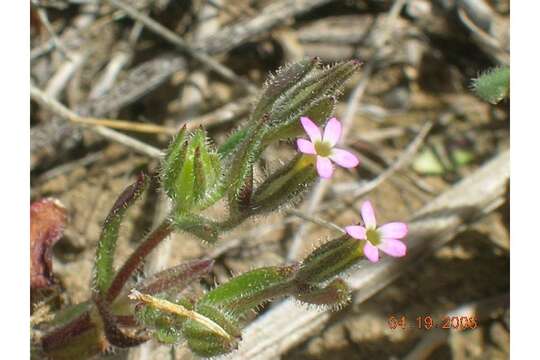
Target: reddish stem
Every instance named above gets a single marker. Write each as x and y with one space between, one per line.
83 323
64 334
114 334
136 258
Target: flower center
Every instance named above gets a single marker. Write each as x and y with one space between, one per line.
373 237
323 148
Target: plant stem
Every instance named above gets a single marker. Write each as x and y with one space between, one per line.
137 257
83 323
63 334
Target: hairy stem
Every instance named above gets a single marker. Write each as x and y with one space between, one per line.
63 334
137 257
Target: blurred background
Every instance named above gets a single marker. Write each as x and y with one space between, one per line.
410 115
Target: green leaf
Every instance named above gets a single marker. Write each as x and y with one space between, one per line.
493 85
199 226
335 295
69 313
228 147
104 272
173 280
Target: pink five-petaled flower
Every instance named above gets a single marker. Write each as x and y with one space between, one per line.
384 237
323 146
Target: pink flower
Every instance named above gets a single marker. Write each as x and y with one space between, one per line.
384 237
323 146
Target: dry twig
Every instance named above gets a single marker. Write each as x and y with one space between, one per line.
174 39
59 109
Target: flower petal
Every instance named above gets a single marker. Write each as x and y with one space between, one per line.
344 158
393 247
371 252
368 215
332 131
393 230
356 231
305 146
311 128
324 167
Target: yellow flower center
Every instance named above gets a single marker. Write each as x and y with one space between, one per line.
323 148
373 237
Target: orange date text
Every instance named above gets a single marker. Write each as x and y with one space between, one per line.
427 322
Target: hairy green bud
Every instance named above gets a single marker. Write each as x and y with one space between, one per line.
319 84
203 341
239 181
251 289
330 259
318 111
192 172
165 325
284 79
284 185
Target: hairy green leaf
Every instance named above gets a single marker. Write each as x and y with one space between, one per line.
493 85
104 272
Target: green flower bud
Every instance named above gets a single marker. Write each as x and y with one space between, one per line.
192 172
165 326
207 343
239 180
285 185
173 161
251 289
284 79
318 111
330 259
307 96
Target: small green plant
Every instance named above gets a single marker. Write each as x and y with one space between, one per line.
493 85
195 175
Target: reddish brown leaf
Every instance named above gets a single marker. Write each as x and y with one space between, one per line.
47 221
176 278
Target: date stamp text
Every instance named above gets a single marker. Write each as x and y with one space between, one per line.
427 322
